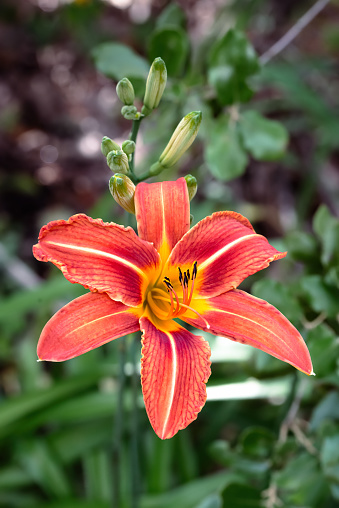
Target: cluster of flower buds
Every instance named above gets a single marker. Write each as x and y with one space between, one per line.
120 158
181 140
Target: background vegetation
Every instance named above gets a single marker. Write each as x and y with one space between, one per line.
267 148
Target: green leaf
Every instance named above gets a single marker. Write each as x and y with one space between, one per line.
265 139
190 494
15 409
241 496
211 501
326 228
323 346
231 61
327 409
235 50
118 61
329 458
257 442
300 481
230 89
321 296
98 474
43 468
280 295
224 154
303 247
171 15
172 45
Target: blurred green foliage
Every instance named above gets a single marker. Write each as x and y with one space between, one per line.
247 448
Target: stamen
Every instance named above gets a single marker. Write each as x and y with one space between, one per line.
208 326
195 269
180 275
188 274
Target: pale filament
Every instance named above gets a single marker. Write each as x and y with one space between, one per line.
186 307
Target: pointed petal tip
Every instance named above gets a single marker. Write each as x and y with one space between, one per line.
312 373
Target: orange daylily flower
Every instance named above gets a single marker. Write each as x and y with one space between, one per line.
147 282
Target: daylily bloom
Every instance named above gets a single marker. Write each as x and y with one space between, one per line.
146 283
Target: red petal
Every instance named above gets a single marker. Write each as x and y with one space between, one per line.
249 320
227 250
163 213
84 324
175 368
101 256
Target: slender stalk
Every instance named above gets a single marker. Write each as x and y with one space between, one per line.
118 427
289 36
135 383
133 137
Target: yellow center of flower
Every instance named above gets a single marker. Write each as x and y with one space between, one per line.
166 304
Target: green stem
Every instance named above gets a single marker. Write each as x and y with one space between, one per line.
133 137
135 383
118 427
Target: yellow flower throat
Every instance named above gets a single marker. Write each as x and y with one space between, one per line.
166 304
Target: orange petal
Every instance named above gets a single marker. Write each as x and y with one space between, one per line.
163 213
227 250
249 320
175 367
84 324
101 256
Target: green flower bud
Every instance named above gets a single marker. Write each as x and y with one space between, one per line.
107 145
128 147
129 112
125 91
192 186
181 139
155 86
117 160
122 189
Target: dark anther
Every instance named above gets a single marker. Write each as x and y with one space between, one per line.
180 275
194 272
168 284
185 279
167 278
188 274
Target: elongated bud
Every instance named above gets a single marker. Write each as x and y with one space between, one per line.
155 86
118 161
125 91
192 186
128 147
129 112
181 139
107 145
122 189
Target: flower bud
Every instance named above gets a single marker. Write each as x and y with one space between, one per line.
122 189
155 85
128 147
107 145
129 112
118 161
125 91
181 139
192 186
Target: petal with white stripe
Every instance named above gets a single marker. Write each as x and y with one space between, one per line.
84 324
175 368
103 257
227 250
